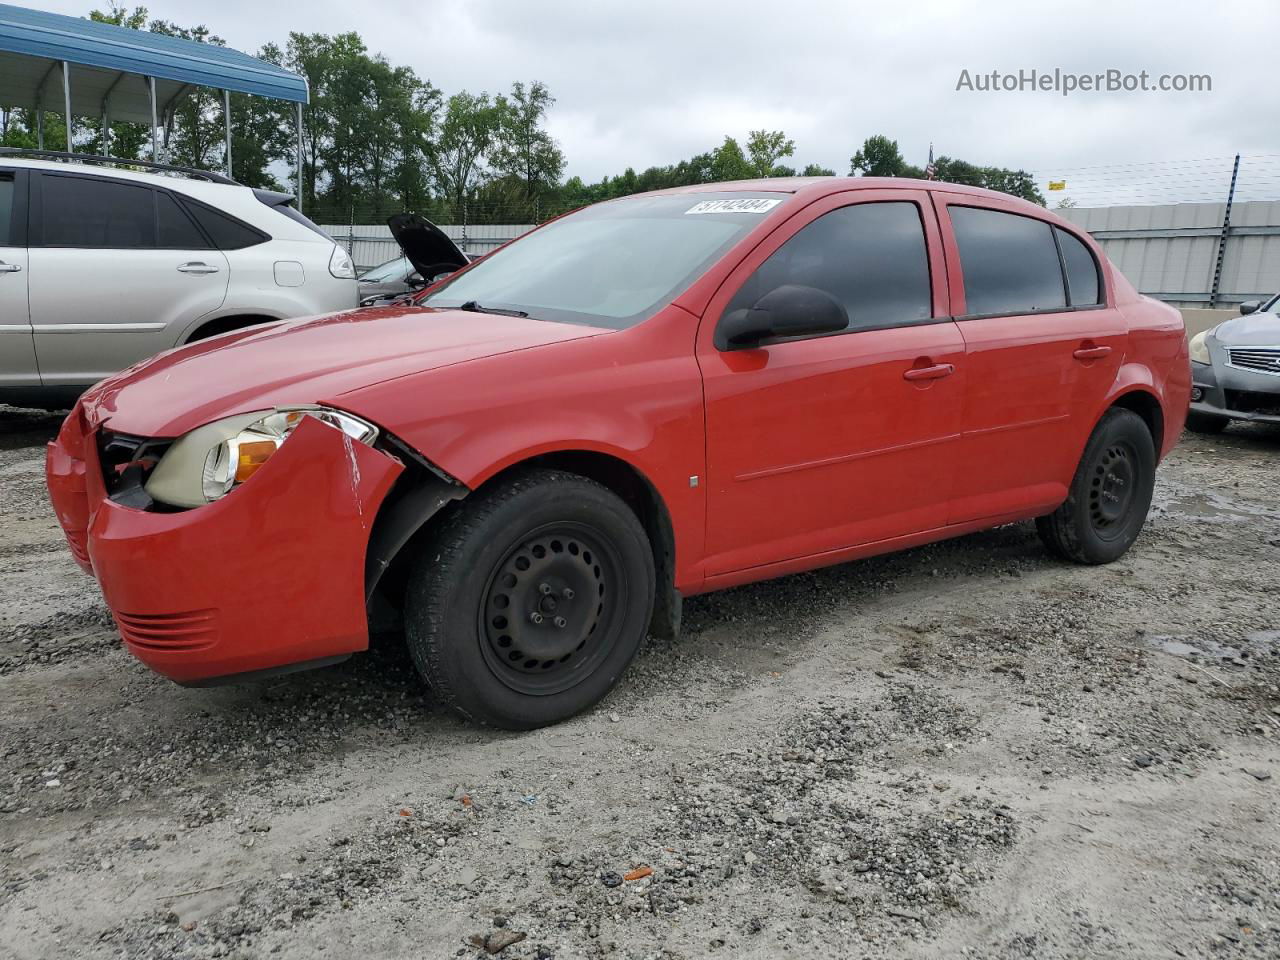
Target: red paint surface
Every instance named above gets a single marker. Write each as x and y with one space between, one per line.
805 453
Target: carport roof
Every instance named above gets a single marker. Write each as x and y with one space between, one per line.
105 58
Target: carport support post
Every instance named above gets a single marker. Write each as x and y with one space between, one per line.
299 125
39 128
226 113
66 100
155 136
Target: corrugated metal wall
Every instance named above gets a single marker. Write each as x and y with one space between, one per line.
1169 251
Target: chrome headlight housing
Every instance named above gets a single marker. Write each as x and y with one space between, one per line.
1199 348
211 461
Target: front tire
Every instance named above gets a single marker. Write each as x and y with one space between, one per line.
1109 496
530 601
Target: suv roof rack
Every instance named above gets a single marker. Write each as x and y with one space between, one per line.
93 158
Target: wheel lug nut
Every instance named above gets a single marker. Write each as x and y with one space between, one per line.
545 589
560 622
535 617
567 593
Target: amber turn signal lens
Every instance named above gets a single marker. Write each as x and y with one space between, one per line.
252 456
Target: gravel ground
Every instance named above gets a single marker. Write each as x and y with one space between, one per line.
962 750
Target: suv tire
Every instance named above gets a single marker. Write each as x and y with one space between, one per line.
530 599
1109 496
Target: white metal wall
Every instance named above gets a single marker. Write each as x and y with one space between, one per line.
1169 251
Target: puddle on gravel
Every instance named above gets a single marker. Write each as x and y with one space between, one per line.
1263 641
1208 505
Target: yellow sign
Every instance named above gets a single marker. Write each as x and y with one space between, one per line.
1057 184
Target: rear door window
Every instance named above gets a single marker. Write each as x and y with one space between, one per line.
1010 262
869 256
95 212
1083 288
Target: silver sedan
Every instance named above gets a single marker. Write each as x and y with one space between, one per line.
1236 370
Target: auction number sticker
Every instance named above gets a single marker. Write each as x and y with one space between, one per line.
741 205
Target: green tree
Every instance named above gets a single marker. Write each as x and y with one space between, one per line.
730 163
765 148
522 148
879 157
816 170
467 132
262 132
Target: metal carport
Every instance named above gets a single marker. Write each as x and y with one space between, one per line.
89 69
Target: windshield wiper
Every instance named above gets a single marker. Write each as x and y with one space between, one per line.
473 307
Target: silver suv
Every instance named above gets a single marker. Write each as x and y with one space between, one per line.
102 266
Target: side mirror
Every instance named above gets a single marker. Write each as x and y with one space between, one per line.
786 311
414 281
1250 306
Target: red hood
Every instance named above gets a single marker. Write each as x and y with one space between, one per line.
304 361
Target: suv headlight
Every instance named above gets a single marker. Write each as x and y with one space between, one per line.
1199 348
340 264
211 461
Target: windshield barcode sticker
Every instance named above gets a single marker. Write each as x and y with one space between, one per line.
747 205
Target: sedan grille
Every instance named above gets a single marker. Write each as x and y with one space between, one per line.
169 632
1255 359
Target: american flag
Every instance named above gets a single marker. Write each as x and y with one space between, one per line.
930 171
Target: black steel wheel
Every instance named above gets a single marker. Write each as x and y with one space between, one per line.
1110 494
1112 488
551 605
530 600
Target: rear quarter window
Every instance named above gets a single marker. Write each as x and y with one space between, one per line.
226 232
1083 287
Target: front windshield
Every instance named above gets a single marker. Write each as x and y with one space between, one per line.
384 272
613 264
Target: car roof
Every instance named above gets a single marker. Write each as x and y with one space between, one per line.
107 169
812 187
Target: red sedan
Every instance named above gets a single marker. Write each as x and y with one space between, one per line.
649 398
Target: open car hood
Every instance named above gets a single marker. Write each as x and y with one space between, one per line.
428 248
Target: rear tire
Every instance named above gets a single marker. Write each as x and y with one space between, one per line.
1206 423
530 600
1109 496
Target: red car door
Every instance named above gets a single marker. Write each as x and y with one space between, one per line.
1040 353
827 442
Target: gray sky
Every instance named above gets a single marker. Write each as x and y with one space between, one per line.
652 83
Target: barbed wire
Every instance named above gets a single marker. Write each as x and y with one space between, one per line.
1155 182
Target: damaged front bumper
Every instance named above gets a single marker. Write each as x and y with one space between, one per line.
269 576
